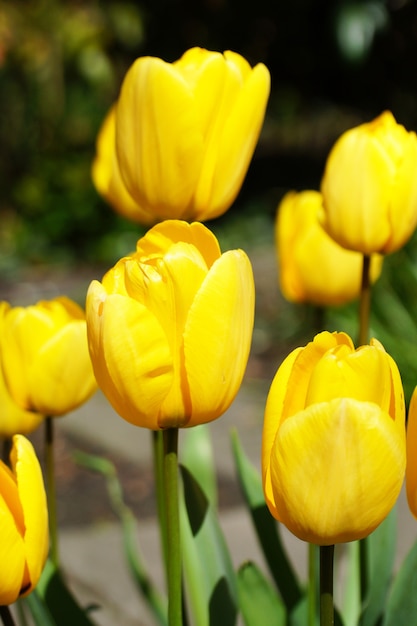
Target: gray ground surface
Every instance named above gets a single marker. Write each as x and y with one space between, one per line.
90 537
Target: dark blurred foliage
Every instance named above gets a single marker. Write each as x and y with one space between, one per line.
333 64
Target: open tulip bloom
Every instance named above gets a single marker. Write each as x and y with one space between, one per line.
333 454
170 327
179 141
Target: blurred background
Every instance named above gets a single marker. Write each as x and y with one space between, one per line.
334 64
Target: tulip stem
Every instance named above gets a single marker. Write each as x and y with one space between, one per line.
365 301
326 586
312 583
51 491
158 459
6 616
170 437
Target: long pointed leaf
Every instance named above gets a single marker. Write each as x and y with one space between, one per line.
402 602
156 602
381 544
258 600
210 579
266 528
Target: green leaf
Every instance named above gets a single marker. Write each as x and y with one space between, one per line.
209 575
381 558
402 602
266 528
38 609
58 599
258 600
156 602
197 455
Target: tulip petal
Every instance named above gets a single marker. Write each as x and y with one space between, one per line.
273 414
12 552
411 472
337 469
33 500
217 336
229 155
160 238
157 132
363 374
130 354
61 378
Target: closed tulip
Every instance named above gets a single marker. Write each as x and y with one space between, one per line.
45 357
411 472
333 450
170 327
23 522
185 134
312 267
369 187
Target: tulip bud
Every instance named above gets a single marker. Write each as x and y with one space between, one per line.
185 134
45 357
23 522
312 266
170 327
333 449
369 187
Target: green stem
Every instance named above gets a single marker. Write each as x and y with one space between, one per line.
363 568
312 583
158 460
365 301
170 437
326 586
6 616
51 491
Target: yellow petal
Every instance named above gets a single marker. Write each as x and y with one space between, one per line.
233 147
160 238
130 355
157 132
273 414
411 473
62 378
363 374
337 469
298 382
218 335
11 552
33 500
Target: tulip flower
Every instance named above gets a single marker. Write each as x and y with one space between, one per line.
312 267
185 134
44 355
170 327
23 522
333 449
411 471
369 187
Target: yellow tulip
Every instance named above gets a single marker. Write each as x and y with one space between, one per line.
23 522
333 449
185 134
44 354
170 327
411 471
312 267
369 187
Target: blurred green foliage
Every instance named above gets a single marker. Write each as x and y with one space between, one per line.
334 64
